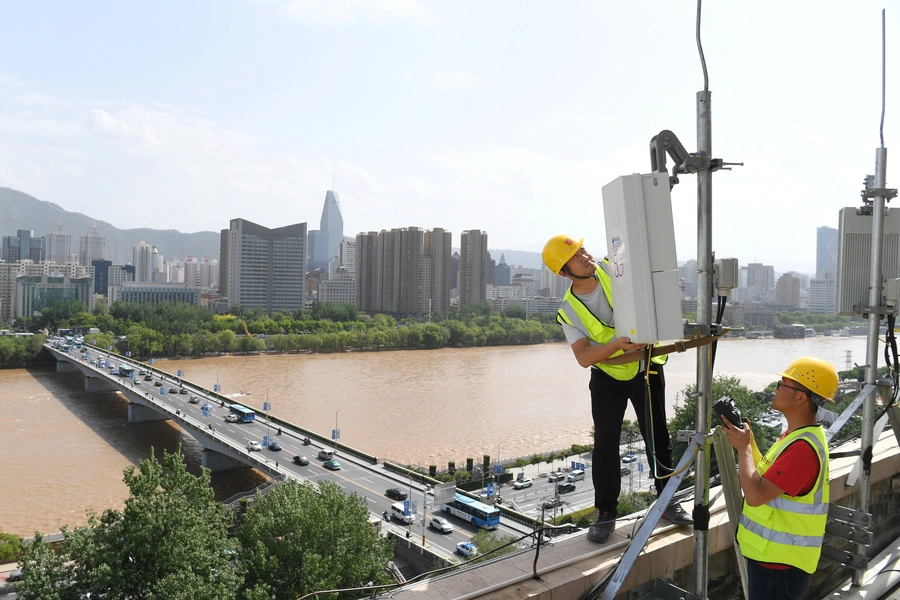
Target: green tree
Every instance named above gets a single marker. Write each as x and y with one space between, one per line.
170 541
491 544
515 311
296 541
227 341
751 405
10 547
45 574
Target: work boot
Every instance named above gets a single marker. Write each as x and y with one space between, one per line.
677 515
600 530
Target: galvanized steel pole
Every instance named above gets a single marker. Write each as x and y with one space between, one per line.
704 320
875 302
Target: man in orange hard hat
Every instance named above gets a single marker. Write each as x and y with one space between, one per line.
588 320
786 491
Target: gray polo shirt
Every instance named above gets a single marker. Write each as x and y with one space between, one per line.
597 303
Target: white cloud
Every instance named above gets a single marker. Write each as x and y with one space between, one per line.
347 11
453 80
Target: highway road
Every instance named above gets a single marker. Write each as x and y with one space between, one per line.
355 476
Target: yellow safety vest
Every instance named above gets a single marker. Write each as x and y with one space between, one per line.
789 530
573 308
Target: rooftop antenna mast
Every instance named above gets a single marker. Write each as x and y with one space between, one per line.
876 190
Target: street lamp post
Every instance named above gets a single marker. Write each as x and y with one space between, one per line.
410 500
497 468
424 510
336 430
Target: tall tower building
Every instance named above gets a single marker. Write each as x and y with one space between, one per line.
91 247
826 251
324 244
59 245
333 222
473 259
502 272
23 246
262 267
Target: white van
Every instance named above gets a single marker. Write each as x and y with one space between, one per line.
576 475
326 454
397 511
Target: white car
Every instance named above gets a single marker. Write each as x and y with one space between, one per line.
441 524
467 549
254 446
523 483
558 476
230 418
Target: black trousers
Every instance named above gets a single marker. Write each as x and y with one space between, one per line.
609 399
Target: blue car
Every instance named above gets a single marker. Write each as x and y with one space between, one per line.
467 549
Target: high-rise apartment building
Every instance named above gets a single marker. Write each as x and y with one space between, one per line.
59 245
91 247
348 256
788 289
262 267
473 260
437 268
368 271
822 294
144 261
23 246
201 273
403 272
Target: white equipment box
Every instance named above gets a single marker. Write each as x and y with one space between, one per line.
640 241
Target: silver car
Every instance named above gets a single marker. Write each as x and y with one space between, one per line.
441 524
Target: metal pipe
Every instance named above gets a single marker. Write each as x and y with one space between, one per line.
875 301
704 320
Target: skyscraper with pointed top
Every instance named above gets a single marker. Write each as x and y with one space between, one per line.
324 244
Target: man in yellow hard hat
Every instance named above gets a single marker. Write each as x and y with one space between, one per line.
786 493
587 318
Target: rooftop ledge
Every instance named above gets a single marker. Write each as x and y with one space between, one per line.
568 567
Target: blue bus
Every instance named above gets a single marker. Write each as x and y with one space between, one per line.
473 511
244 414
125 370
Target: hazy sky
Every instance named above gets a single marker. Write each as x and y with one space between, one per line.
505 116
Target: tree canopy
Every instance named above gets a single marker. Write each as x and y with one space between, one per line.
295 541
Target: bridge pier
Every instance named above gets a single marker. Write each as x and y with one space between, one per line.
215 461
142 414
65 366
96 384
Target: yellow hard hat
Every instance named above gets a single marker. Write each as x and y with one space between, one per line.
815 375
558 250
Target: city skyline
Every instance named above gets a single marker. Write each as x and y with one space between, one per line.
508 123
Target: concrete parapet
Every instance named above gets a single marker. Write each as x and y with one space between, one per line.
98 384
142 414
65 366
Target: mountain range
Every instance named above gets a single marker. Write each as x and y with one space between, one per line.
19 210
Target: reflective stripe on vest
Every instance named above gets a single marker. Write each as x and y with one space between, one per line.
789 530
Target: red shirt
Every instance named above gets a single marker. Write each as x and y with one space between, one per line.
794 472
